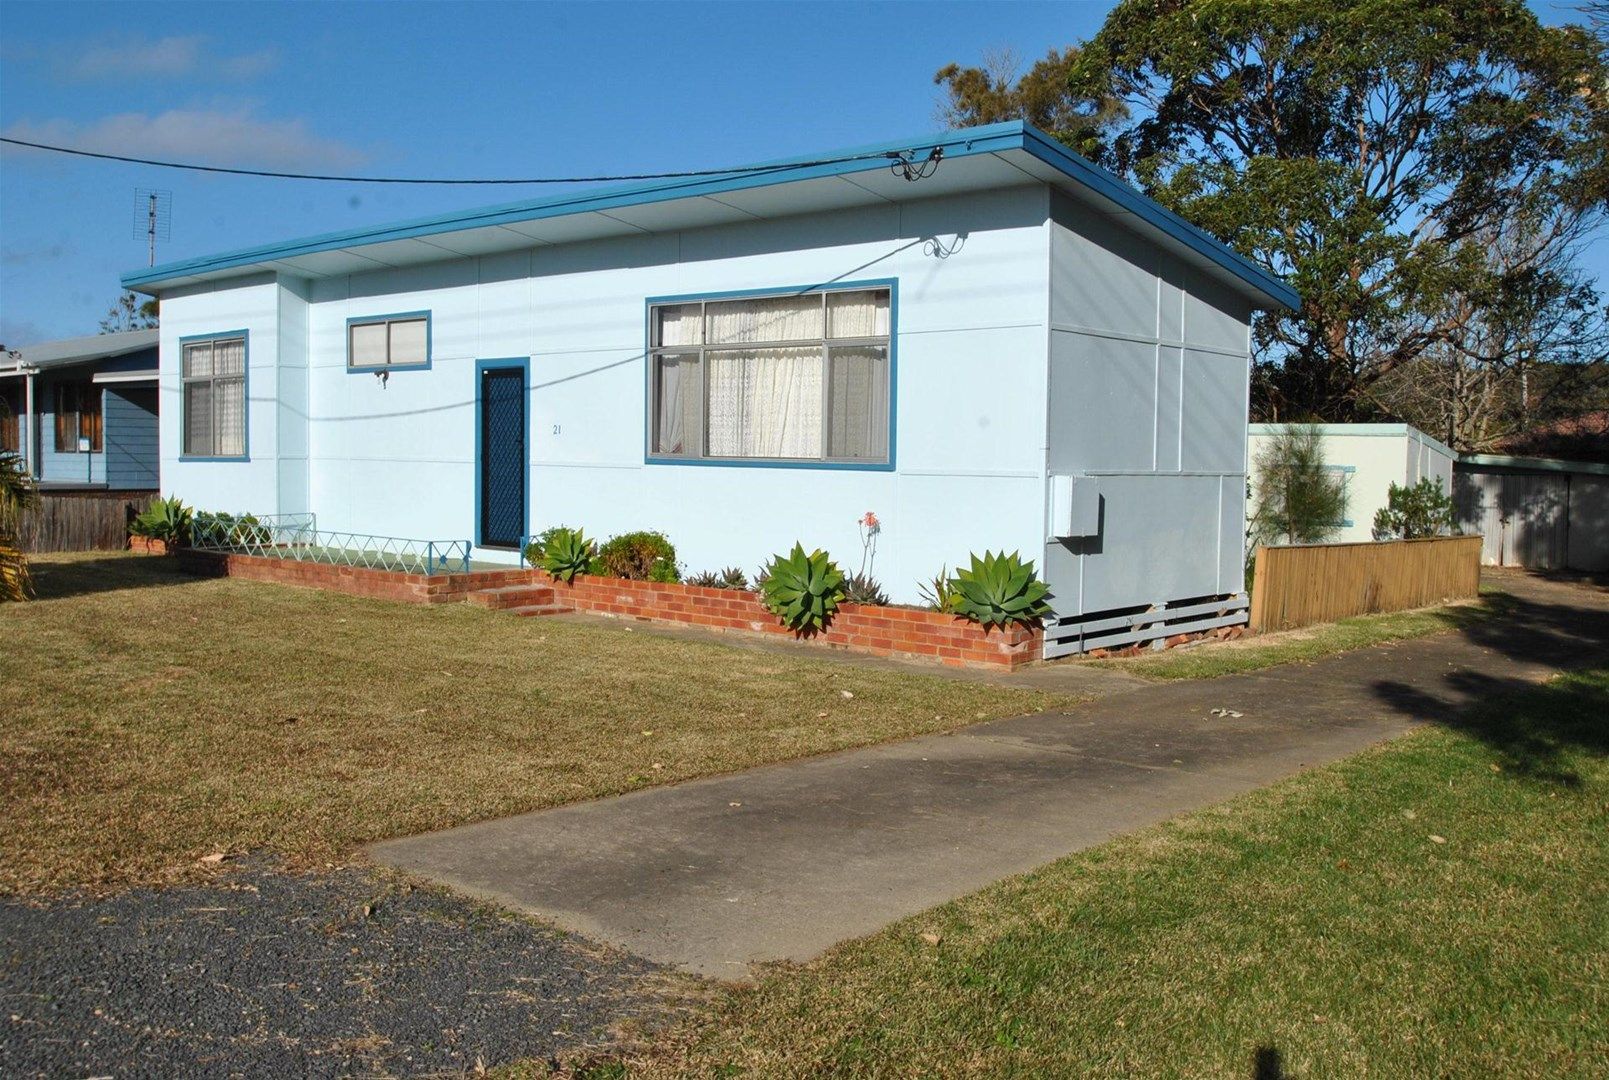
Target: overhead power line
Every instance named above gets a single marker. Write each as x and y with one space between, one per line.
903 163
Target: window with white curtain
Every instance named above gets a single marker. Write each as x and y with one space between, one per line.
214 412
790 377
388 341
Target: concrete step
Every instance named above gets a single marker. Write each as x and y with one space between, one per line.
539 609
512 596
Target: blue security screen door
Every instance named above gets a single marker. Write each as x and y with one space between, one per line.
502 457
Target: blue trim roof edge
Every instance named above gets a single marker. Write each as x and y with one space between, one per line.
991 138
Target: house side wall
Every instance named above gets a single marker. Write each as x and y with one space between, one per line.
64 466
1368 460
398 456
1149 379
131 437
249 304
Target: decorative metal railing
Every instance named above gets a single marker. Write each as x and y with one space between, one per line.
297 538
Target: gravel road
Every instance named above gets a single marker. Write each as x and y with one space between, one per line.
264 973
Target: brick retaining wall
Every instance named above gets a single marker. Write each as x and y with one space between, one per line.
882 631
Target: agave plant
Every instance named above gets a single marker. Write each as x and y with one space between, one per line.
999 589
167 520
566 553
803 590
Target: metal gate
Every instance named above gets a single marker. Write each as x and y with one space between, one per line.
501 453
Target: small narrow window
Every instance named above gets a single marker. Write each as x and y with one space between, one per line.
388 342
784 377
78 417
214 401
10 427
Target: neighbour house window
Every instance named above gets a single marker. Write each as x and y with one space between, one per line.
215 397
386 342
78 417
791 377
10 428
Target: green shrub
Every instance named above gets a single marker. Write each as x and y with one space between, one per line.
729 578
803 590
228 530
863 589
1000 589
938 594
566 552
1298 499
639 556
1419 510
167 520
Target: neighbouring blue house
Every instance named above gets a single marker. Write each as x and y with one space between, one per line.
978 335
83 412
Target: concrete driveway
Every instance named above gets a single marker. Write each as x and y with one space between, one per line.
782 862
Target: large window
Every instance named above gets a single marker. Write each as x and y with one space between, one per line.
215 397
78 417
385 342
798 377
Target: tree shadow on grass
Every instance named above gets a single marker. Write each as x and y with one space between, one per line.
59 579
1535 729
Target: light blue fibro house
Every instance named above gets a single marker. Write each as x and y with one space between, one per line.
979 336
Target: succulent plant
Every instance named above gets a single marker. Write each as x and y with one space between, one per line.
863 589
999 589
167 520
566 553
639 556
938 594
803 590
729 578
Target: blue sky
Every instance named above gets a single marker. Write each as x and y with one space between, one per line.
470 89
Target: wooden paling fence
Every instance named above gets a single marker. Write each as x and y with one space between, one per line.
81 520
1315 583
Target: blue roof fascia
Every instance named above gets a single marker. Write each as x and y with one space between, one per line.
987 139
964 143
1102 182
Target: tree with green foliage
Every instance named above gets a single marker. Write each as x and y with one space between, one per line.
130 313
999 90
1298 500
1415 511
1368 151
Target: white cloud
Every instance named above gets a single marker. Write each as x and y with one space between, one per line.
235 137
164 58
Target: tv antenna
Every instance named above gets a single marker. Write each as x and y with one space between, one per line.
153 218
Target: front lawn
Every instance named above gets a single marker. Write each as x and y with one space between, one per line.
149 719
1436 907
1211 659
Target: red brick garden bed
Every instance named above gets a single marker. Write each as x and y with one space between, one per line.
882 631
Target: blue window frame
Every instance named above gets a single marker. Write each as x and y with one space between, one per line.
400 341
791 377
215 412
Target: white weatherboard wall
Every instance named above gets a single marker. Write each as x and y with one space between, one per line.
397 458
1149 369
1369 458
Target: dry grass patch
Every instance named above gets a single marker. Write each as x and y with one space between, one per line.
1210 659
148 719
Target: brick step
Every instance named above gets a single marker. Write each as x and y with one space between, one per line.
539 609
512 596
